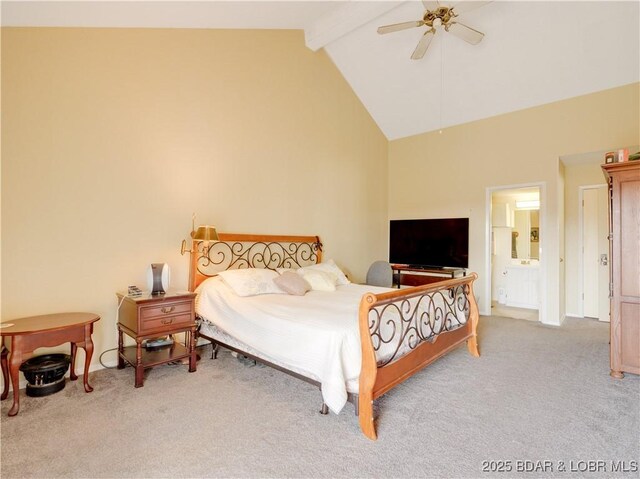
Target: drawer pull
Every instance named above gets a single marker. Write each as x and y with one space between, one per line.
166 321
166 310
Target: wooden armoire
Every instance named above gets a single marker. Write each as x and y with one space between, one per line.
624 248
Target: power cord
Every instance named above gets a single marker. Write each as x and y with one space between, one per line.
103 353
116 326
118 315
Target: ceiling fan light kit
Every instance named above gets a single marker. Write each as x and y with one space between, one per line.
438 17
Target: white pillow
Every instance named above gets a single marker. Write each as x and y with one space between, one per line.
319 280
251 281
329 267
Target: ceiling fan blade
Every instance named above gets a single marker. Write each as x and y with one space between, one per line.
431 6
423 44
464 32
462 7
396 27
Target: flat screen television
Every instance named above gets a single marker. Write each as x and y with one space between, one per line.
430 243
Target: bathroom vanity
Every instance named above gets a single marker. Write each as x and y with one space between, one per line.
522 283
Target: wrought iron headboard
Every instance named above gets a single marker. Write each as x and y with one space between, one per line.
234 251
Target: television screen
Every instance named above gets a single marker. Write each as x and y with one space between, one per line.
437 243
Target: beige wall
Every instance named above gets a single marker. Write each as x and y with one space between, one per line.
444 175
111 138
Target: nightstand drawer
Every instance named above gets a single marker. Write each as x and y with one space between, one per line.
170 322
162 310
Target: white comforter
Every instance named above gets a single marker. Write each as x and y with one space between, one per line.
317 332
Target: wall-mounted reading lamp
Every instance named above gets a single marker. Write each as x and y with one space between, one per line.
203 233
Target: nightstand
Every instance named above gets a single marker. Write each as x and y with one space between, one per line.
151 316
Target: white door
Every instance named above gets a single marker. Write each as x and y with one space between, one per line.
595 254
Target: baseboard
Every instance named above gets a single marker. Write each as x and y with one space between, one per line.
577 316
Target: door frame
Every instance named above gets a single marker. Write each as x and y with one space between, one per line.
542 278
581 243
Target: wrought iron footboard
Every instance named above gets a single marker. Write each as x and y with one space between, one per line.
399 323
403 331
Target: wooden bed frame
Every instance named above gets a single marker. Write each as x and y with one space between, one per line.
423 320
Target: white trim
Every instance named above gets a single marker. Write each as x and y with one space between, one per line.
581 244
542 280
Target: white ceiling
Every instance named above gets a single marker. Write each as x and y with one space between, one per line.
164 14
533 52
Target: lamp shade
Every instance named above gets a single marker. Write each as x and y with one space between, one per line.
206 233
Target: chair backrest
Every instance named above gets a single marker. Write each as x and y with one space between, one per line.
380 274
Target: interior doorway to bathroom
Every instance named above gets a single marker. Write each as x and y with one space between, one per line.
516 236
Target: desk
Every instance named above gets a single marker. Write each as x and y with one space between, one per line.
25 335
406 275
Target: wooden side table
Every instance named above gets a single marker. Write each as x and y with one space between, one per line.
25 335
150 316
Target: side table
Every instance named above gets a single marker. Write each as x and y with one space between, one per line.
150 316
20 337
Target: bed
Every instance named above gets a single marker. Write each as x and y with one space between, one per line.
354 343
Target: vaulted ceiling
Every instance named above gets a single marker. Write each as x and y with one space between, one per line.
532 53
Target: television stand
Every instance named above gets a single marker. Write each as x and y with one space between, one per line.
420 267
412 275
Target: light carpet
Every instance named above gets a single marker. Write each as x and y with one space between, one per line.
536 394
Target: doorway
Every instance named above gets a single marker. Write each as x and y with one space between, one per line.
594 230
514 269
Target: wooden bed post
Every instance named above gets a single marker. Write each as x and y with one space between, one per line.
368 371
193 260
474 314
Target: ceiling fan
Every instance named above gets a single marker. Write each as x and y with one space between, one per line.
437 16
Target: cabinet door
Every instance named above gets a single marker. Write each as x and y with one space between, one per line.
502 216
630 337
522 287
627 291
531 287
516 293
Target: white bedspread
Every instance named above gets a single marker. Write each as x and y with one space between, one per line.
317 332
